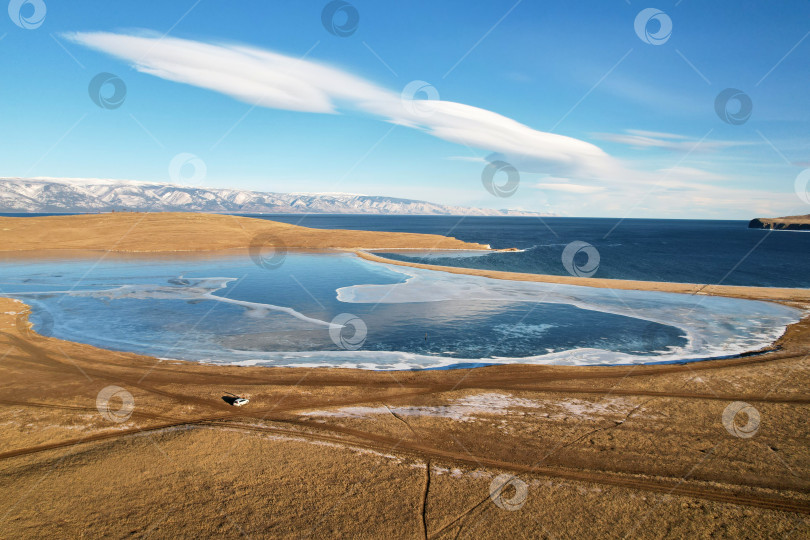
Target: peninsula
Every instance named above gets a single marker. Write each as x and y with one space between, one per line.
787 223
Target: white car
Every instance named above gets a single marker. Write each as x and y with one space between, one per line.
238 402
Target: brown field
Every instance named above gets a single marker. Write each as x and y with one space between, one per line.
615 452
638 451
184 231
787 222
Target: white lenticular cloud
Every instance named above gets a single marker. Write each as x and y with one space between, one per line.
247 74
273 80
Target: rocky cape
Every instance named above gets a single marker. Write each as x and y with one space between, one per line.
788 223
50 195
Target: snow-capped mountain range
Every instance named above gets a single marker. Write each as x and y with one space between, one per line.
96 195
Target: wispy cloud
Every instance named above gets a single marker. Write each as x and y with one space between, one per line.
667 141
568 187
269 79
693 174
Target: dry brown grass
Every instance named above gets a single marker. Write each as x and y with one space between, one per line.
184 231
649 458
787 220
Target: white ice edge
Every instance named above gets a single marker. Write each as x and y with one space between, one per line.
202 289
690 313
764 323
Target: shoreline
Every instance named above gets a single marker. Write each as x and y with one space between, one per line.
330 241
794 340
575 358
773 345
180 233
776 294
797 298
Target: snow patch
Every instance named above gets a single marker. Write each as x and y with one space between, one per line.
471 407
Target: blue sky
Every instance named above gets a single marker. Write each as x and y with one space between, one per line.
597 121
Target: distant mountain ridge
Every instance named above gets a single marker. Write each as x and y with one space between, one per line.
97 195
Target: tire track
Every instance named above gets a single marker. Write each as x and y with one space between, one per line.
383 443
674 486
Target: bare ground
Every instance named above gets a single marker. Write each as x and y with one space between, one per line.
637 452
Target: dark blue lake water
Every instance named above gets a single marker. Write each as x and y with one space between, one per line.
689 251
